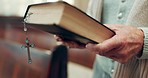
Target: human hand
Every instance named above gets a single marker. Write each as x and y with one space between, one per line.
126 43
69 43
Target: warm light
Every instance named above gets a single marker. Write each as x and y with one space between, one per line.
52 0
69 1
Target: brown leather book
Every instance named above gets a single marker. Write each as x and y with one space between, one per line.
63 19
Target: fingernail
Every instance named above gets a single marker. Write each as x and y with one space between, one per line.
89 45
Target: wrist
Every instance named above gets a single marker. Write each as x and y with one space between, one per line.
139 54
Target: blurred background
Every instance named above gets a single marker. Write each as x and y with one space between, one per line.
18 7
12 37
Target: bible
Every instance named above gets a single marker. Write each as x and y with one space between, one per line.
67 21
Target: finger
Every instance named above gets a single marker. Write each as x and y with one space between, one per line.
90 47
108 45
58 38
94 48
105 46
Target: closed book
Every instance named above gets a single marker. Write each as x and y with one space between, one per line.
66 20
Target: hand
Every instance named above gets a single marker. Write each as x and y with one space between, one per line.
69 43
127 42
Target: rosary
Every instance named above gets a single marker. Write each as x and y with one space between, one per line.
27 42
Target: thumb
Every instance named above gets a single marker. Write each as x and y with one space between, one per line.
105 46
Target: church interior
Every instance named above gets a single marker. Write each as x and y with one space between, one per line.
14 57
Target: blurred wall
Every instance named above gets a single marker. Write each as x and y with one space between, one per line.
82 4
18 7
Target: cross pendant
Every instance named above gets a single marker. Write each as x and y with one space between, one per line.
28 45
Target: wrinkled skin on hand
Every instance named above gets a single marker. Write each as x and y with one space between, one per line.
69 43
127 43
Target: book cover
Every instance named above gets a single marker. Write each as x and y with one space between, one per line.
63 19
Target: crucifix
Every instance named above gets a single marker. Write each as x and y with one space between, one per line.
28 45
27 42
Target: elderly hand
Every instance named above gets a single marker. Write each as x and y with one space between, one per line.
69 43
127 42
